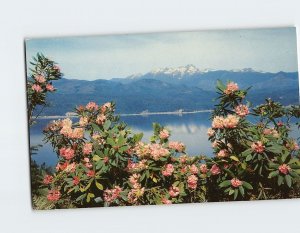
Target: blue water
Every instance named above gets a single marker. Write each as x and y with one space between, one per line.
188 128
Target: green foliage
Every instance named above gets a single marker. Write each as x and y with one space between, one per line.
102 163
261 155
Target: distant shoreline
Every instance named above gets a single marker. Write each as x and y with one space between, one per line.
131 114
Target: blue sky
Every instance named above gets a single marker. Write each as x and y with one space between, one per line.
118 56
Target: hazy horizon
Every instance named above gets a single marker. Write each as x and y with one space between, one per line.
119 56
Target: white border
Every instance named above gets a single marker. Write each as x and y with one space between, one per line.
34 18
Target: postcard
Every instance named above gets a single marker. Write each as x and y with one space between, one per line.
163 118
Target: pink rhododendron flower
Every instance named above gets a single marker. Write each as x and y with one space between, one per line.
222 153
284 169
56 67
203 168
231 88
96 137
87 163
258 147
101 118
76 133
70 167
48 179
293 145
36 88
272 132
218 122
80 108
76 180
236 182
226 165
242 110
53 195
83 121
62 166
66 123
49 87
91 173
105 159
178 146
67 153
66 131
280 124
215 144
135 167
106 106
174 191
210 132
168 170
92 106
165 201
193 169
87 148
231 121
183 159
40 79
111 195
134 180
164 134
184 169
192 181
157 151
215 170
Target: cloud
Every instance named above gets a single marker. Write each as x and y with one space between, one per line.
113 56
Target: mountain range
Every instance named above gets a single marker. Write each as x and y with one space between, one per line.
170 89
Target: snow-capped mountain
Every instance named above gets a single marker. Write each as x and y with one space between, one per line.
179 71
186 71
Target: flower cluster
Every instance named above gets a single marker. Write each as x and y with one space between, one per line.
230 122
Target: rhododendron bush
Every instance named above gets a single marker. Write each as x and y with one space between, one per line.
255 159
101 162
43 72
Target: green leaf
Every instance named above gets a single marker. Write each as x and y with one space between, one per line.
276 149
230 173
121 141
89 196
231 191
81 197
138 137
273 174
236 192
280 180
244 166
293 174
99 186
242 191
249 157
246 152
294 160
234 158
246 185
288 180
220 85
293 166
106 125
111 142
273 165
96 127
225 183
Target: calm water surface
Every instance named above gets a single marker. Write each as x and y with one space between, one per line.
189 128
